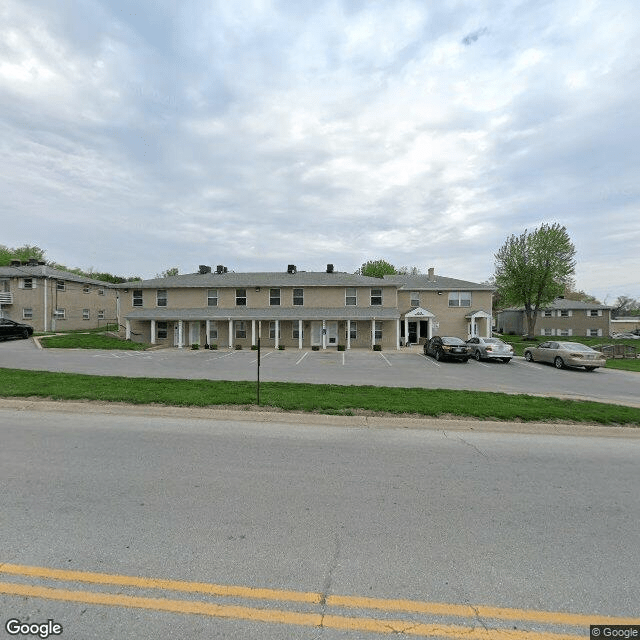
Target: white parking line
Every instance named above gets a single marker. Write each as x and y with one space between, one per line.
428 359
482 364
262 356
384 359
303 357
343 358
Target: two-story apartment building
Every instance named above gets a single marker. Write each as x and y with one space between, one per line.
561 318
296 309
54 300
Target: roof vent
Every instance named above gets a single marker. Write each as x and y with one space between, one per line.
221 269
203 268
329 268
33 262
16 263
291 268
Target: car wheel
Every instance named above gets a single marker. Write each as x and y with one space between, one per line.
506 360
25 334
438 355
528 356
558 363
465 360
590 368
476 355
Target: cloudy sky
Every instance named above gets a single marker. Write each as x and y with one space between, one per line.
139 136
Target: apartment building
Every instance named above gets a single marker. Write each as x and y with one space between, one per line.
299 309
54 300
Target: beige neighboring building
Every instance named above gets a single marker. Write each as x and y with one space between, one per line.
299 309
53 300
627 324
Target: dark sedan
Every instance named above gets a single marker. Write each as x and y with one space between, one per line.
447 347
11 329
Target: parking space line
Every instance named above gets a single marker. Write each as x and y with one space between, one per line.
303 357
262 356
343 358
482 364
428 359
382 356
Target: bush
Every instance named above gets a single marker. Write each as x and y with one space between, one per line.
254 347
195 346
341 347
238 347
377 347
315 347
281 347
213 346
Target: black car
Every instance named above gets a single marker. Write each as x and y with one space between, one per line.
11 329
442 347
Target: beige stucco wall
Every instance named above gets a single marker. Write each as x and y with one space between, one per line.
578 322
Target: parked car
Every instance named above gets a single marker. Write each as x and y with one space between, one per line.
566 354
442 347
11 329
490 349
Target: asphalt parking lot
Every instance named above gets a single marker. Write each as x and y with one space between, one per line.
405 368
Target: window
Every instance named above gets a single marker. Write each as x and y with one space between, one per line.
161 298
61 285
213 332
565 313
86 289
163 331
594 333
241 331
295 334
274 297
546 332
547 313
564 332
351 297
241 297
378 331
100 314
86 314
460 298
60 314
376 297
100 292
137 297
594 313
27 283
212 298
353 331
415 299
272 330
27 314
298 297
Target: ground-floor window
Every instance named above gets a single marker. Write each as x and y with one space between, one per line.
241 330
564 332
594 333
547 332
213 331
27 314
100 314
86 314
272 330
295 333
352 332
60 314
162 330
378 331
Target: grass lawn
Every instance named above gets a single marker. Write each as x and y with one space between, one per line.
519 343
89 341
330 399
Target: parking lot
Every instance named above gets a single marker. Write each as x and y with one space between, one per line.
405 368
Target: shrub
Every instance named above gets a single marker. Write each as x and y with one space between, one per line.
213 346
377 347
254 347
238 347
315 347
341 347
281 347
195 346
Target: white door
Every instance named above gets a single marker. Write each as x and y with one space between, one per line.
194 333
176 335
316 333
332 334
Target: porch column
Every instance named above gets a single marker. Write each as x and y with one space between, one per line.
277 333
348 334
208 332
127 330
253 333
153 332
398 333
419 335
430 329
299 334
230 334
324 334
406 331
373 333
180 334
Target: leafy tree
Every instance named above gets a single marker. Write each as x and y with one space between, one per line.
571 293
409 271
23 253
532 269
168 272
625 306
376 269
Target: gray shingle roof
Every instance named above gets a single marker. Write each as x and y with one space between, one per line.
563 303
438 283
42 271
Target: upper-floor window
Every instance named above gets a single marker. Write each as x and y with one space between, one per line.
100 314
161 298
415 299
241 297
86 288
594 313
351 297
298 297
274 297
547 313
376 297
460 299
137 297
212 298
27 283
565 313
60 285
100 292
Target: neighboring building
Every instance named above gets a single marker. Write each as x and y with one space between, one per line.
561 318
627 324
53 300
298 308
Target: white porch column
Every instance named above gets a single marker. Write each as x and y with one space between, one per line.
324 334
373 332
299 334
398 333
406 331
348 334
277 333
418 334
230 334
180 334
153 332
430 329
127 330
208 330
253 333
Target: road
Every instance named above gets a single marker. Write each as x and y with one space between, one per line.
406 368
349 532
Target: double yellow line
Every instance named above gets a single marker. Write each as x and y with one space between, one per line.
313 619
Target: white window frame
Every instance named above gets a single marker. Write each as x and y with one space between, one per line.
86 314
162 301
565 333
348 297
545 331
61 285
27 313
353 329
31 283
86 288
378 330
298 300
594 333
60 314
101 314
272 329
460 299
415 299
376 297
565 313
240 297
212 297
162 329
274 297
294 332
594 313
213 331
134 298
100 292
240 329
546 313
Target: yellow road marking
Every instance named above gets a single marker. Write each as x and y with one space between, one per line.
408 606
278 616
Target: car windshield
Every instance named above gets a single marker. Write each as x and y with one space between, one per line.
452 341
575 346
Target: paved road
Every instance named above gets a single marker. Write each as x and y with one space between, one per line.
393 368
320 517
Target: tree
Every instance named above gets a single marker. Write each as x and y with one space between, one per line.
23 253
409 271
376 269
625 306
571 293
168 272
532 269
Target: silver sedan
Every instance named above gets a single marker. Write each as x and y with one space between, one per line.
566 354
490 349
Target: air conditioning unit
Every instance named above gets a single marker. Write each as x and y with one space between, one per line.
291 268
203 268
329 268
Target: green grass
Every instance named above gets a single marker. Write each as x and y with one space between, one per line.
108 327
89 341
330 399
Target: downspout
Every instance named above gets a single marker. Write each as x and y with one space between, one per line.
45 304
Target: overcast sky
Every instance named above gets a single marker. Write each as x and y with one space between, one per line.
142 135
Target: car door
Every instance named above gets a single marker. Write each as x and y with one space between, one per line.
541 353
4 328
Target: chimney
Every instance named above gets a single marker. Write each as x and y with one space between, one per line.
431 274
33 262
220 269
291 268
204 269
329 268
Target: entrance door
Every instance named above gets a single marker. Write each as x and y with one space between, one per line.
413 332
176 335
316 334
332 333
194 333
